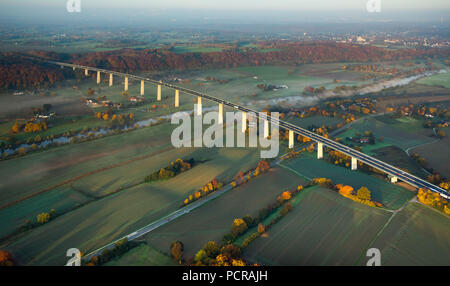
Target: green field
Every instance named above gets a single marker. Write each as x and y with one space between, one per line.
242 82
403 133
38 171
390 195
323 228
105 220
397 157
73 115
100 167
442 79
214 219
222 164
61 199
399 135
418 235
433 158
142 255
194 49
316 120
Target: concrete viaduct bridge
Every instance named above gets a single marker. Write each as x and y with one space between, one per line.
394 173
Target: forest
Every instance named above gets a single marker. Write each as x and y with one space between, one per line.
18 72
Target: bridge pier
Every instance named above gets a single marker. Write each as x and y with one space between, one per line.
291 139
86 72
354 163
319 150
199 106
393 179
142 87
158 97
98 77
110 79
126 83
244 122
73 68
177 98
266 128
220 119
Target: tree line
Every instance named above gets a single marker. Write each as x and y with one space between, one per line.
171 171
22 73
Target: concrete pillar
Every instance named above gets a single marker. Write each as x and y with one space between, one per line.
354 164
199 106
98 77
73 68
266 128
158 97
394 179
220 121
177 98
319 150
244 122
110 79
291 139
126 83
86 72
142 87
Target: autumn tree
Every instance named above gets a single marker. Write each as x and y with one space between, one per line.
16 127
211 248
176 250
446 209
363 193
286 195
263 165
6 258
434 200
200 256
239 226
237 262
286 208
261 228
231 251
344 190
43 218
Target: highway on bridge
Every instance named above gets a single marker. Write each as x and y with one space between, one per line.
366 159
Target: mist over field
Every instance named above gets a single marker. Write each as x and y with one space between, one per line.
305 100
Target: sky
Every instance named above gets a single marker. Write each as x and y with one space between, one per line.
299 5
237 11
